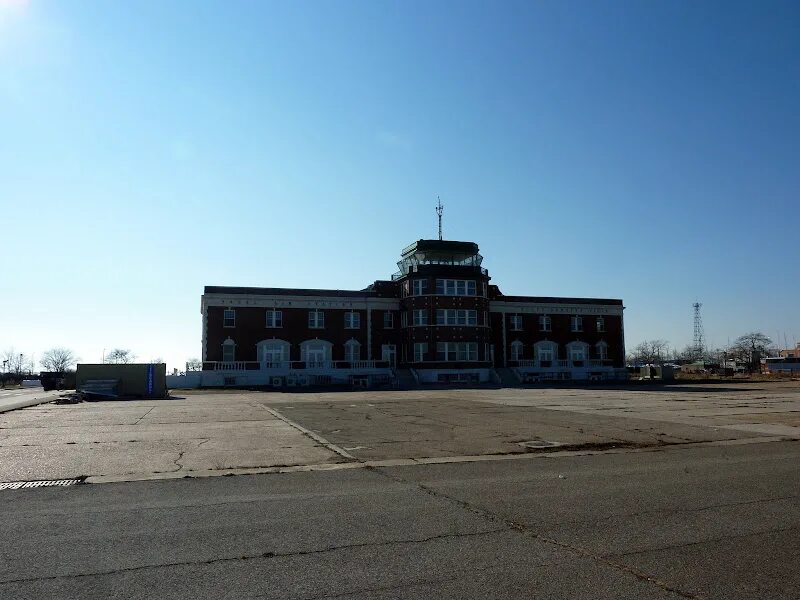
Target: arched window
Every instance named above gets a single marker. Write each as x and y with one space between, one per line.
577 353
352 350
516 350
545 352
601 348
228 350
316 353
273 353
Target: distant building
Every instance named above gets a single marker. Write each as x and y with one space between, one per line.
790 353
438 319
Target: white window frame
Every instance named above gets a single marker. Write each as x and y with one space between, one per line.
420 350
226 318
457 317
229 346
265 347
601 348
516 322
316 319
576 324
352 350
419 287
545 351
388 320
317 345
577 351
352 320
456 287
420 316
457 351
517 348
600 323
276 320
545 323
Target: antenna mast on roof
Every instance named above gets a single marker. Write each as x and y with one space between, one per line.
439 210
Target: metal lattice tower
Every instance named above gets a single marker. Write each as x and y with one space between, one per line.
699 337
439 210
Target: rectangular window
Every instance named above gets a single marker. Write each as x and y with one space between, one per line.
451 316
229 318
352 320
545 354
516 322
352 352
420 349
420 287
316 319
516 351
457 351
274 318
545 323
602 351
228 352
388 320
601 324
456 287
577 324
420 316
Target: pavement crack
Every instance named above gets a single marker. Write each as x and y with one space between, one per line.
177 461
260 556
706 541
526 530
144 415
670 511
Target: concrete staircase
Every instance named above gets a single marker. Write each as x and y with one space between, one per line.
508 378
405 379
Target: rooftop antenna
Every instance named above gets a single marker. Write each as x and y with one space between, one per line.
439 210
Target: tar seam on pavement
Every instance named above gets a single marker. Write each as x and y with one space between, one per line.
525 530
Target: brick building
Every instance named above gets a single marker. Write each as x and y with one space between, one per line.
438 319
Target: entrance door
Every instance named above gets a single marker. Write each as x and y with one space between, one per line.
389 354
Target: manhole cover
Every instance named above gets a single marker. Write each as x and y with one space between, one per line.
538 444
21 485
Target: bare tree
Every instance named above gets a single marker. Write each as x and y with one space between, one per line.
58 360
194 364
651 352
750 348
120 356
17 362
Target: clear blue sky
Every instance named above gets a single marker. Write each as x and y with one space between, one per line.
648 151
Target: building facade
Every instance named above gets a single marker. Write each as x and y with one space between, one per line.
438 319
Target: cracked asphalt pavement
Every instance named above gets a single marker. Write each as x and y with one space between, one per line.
678 493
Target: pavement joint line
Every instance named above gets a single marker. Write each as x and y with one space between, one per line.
314 436
525 530
260 556
415 462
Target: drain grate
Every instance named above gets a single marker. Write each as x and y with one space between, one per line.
21 485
